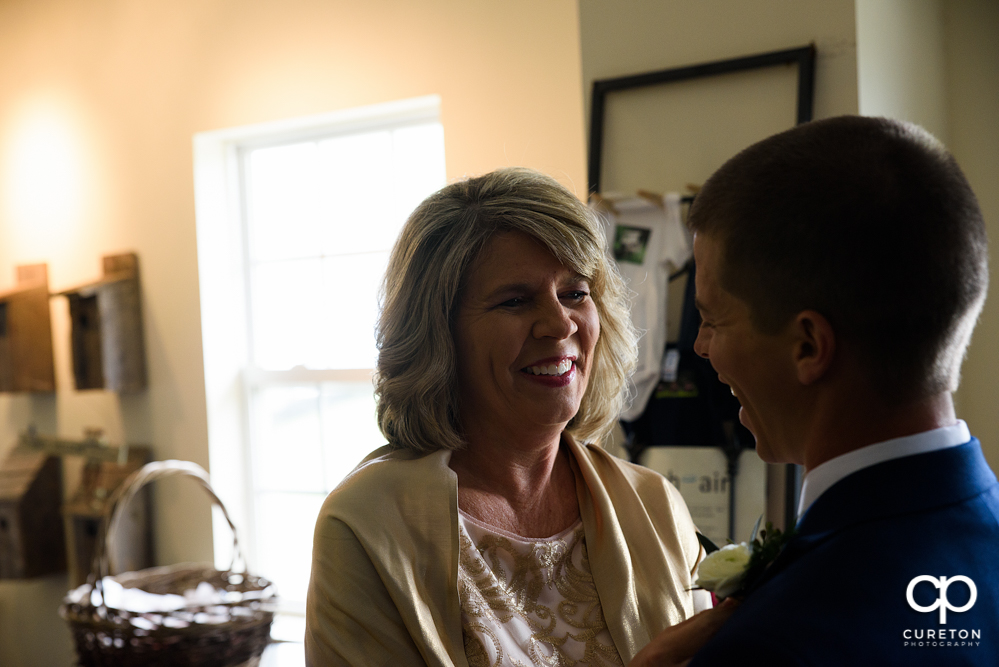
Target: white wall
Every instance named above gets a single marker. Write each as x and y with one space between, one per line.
120 88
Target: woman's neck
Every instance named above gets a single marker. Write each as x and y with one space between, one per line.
529 491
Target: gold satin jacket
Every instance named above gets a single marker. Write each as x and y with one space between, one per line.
384 586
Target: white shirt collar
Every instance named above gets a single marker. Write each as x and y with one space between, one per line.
820 478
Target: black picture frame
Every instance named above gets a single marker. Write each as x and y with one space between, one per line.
803 57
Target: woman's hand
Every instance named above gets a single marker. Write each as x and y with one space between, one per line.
677 644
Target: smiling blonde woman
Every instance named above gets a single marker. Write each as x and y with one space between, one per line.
492 529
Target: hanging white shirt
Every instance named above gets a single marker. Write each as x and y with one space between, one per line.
648 242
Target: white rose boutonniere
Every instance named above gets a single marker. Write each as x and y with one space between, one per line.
733 569
722 571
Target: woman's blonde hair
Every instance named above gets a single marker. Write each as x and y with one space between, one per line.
416 381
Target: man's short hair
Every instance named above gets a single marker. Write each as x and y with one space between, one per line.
868 221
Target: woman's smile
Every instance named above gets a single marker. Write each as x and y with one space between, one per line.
552 372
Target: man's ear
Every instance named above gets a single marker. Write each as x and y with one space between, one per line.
815 346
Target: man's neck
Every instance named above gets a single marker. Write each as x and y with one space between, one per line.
844 426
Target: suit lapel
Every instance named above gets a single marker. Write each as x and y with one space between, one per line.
907 484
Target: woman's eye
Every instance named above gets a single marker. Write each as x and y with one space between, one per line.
514 302
577 295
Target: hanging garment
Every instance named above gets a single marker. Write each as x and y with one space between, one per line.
648 242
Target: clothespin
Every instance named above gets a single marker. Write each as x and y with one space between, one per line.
651 197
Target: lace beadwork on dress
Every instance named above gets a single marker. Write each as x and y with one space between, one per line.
529 601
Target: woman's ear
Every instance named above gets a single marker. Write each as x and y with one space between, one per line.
815 346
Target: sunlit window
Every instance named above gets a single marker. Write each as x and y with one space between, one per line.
321 217
318 215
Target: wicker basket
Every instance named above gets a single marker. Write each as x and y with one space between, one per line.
232 631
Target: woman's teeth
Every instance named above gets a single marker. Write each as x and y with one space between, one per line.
561 368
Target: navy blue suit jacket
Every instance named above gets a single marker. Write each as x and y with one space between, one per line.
837 593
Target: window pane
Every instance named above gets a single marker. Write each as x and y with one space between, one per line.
350 430
350 296
290 317
321 217
285 204
359 189
287 439
286 522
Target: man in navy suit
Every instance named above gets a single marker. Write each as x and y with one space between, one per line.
841 267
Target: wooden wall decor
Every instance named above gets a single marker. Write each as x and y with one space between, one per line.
32 542
90 506
106 468
108 344
26 333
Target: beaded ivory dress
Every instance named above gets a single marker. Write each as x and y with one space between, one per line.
529 601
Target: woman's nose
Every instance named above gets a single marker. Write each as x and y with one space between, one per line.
554 320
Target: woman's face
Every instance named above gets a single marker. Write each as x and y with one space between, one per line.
525 333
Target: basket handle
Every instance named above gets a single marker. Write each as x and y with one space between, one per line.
124 494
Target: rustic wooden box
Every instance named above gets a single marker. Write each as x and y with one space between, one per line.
26 333
32 542
90 505
108 344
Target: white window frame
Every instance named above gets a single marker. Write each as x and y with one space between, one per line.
224 287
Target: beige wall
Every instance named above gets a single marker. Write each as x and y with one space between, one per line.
112 91
936 63
901 62
971 32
